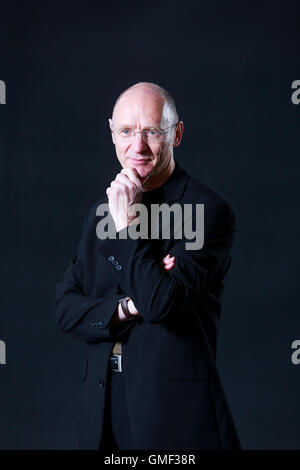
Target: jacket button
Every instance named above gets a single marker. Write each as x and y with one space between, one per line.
111 258
100 323
118 267
93 324
101 383
115 262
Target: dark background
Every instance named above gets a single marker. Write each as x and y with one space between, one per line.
230 66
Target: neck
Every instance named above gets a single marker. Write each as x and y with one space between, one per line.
155 181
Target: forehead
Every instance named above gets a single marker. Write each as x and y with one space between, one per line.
140 107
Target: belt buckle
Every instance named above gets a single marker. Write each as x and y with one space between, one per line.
116 362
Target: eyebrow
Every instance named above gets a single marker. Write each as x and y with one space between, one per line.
128 126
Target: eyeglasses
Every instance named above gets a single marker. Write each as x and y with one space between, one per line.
148 135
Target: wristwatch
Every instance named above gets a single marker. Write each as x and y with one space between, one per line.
125 309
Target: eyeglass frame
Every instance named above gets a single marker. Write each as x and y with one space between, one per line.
161 131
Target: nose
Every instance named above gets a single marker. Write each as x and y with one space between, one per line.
138 143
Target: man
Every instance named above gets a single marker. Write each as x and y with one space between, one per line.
148 308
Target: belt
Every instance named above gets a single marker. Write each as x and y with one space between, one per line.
116 362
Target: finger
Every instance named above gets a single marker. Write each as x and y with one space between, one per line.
126 181
171 263
117 185
167 268
167 260
118 191
133 175
168 265
131 171
133 178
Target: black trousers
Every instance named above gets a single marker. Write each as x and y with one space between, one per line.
117 433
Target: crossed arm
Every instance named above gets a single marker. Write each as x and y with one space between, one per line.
85 317
168 263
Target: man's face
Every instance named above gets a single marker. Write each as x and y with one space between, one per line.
141 109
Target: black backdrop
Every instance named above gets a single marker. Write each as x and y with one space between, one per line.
230 66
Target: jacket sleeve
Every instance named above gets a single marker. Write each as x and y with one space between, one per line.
83 317
156 292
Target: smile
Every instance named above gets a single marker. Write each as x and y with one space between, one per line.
140 161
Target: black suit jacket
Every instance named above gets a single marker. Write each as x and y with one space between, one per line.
174 393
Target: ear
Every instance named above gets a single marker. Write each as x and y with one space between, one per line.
178 134
111 128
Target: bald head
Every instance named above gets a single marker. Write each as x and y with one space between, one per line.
150 91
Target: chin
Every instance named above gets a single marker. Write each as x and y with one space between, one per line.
143 172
